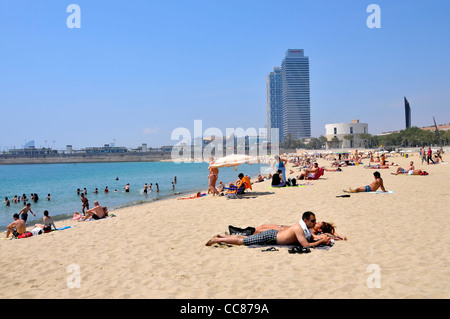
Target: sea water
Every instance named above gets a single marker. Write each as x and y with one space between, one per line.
61 181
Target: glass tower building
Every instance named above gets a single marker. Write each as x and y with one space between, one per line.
296 108
274 103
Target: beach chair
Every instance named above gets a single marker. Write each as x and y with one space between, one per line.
319 173
238 190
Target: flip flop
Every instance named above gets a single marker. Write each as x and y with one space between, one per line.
270 249
343 196
299 250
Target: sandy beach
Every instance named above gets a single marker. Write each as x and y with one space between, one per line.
158 250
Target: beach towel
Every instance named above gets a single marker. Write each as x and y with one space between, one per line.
319 173
381 192
91 219
288 246
298 185
62 228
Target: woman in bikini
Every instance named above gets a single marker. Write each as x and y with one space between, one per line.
213 176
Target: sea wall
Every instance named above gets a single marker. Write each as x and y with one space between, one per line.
15 160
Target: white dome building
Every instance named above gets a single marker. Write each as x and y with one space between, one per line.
338 135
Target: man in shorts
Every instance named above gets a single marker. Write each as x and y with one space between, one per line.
299 233
24 212
98 212
377 183
17 227
84 203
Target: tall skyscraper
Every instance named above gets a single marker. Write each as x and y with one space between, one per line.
274 102
407 114
296 95
288 97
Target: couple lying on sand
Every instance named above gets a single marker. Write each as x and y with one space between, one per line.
299 233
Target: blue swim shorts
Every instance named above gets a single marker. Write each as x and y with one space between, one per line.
367 189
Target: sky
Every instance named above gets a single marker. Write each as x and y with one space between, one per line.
136 71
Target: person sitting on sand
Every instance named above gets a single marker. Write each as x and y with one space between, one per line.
277 179
17 227
300 233
409 170
309 172
220 187
95 213
260 179
48 222
377 183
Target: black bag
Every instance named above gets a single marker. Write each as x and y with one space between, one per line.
294 182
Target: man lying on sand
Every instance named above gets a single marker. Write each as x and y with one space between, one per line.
321 229
410 170
299 233
377 183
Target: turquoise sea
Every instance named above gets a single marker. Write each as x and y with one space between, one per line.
61 181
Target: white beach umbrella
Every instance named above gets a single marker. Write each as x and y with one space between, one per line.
234 160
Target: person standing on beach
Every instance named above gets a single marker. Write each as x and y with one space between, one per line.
84 203
213 176
24 212
280 164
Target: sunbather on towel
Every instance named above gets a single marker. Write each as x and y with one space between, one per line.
377 183
197 195
97 212
300 233
321 229
309 172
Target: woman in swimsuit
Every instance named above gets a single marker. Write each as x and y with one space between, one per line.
213 175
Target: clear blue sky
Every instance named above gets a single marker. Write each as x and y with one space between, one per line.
136 70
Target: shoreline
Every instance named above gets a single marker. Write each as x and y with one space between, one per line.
66 218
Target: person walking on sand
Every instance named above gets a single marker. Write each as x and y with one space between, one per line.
377 183
84 203
430 156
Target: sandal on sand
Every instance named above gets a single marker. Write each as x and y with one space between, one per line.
299 250
343 196
270 249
